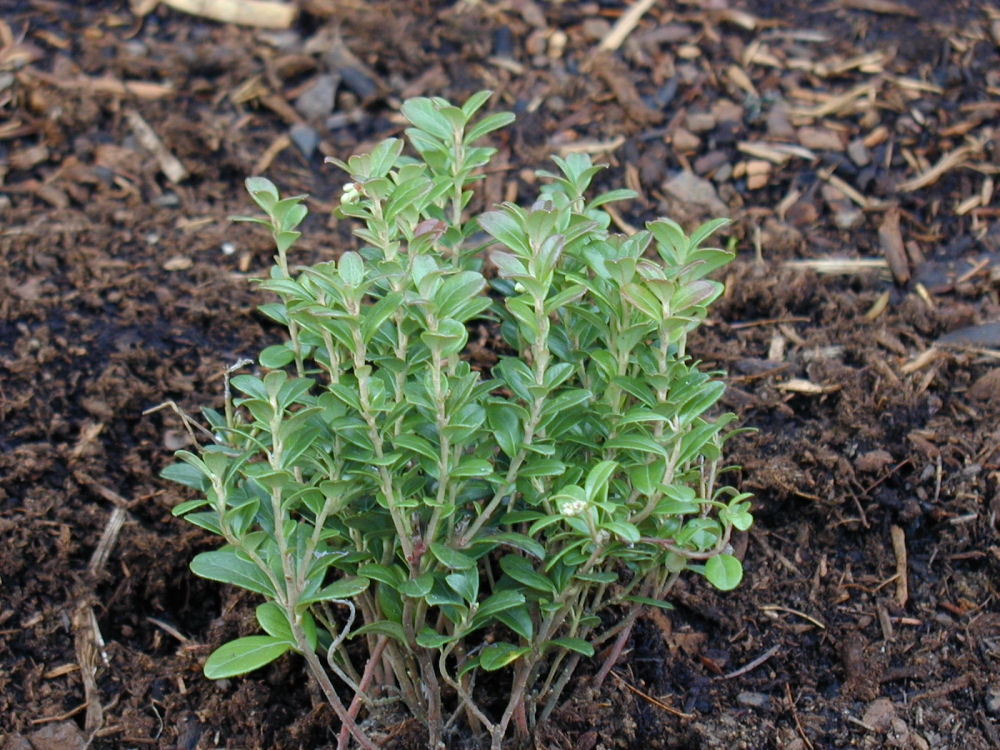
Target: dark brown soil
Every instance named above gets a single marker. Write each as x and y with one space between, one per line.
854 129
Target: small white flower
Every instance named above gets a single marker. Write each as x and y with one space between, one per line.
350 193
573 507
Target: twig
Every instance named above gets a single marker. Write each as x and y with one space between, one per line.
366 678
169 629
751 665
789 610
651 699
795 716
899 550
61 717
625 24
949 161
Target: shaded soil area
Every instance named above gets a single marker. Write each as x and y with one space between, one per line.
853 142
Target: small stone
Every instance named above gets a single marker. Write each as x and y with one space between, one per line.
685 140
317 101
778 125
820 139
987 388
725 110
858 152
848 217
992 700
177 263
700 122
723 173
305 138
595 28
690 188
536 42
802 213
873 462
879 714
707 162
753 700
65 735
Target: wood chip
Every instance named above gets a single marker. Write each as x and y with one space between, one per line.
800 385
946 163
170 165
262 13
887 7
891 241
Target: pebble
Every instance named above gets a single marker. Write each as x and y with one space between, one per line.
879 714
317 101
707 162
699 122
802 213
595 28
820 139
690 188
992 700
725 110
873 461
684 140
753 700
778 124
858 152
305 138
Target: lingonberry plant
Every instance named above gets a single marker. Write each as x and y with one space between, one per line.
414 522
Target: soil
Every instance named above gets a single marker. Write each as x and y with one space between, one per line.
864 131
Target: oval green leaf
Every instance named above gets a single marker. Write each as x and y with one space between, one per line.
244 655
724 572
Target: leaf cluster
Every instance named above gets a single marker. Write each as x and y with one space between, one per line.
466 521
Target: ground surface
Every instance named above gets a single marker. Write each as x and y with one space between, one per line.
854 129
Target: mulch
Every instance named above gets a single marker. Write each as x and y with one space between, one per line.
855 145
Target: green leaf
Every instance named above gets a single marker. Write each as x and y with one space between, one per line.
344 588
636 442
451 558
186 474
498 655
391 576
542 467
724 572
465 584
417 588
472 467
276 356
505 228
498 602
382 627
488 124
244 655
627 531
514 539
227 566
595 487
518 619
351 268
428 638
421 112
274 621
651 602
574 644
506 426
522 571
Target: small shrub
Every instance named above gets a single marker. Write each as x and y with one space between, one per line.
413 522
